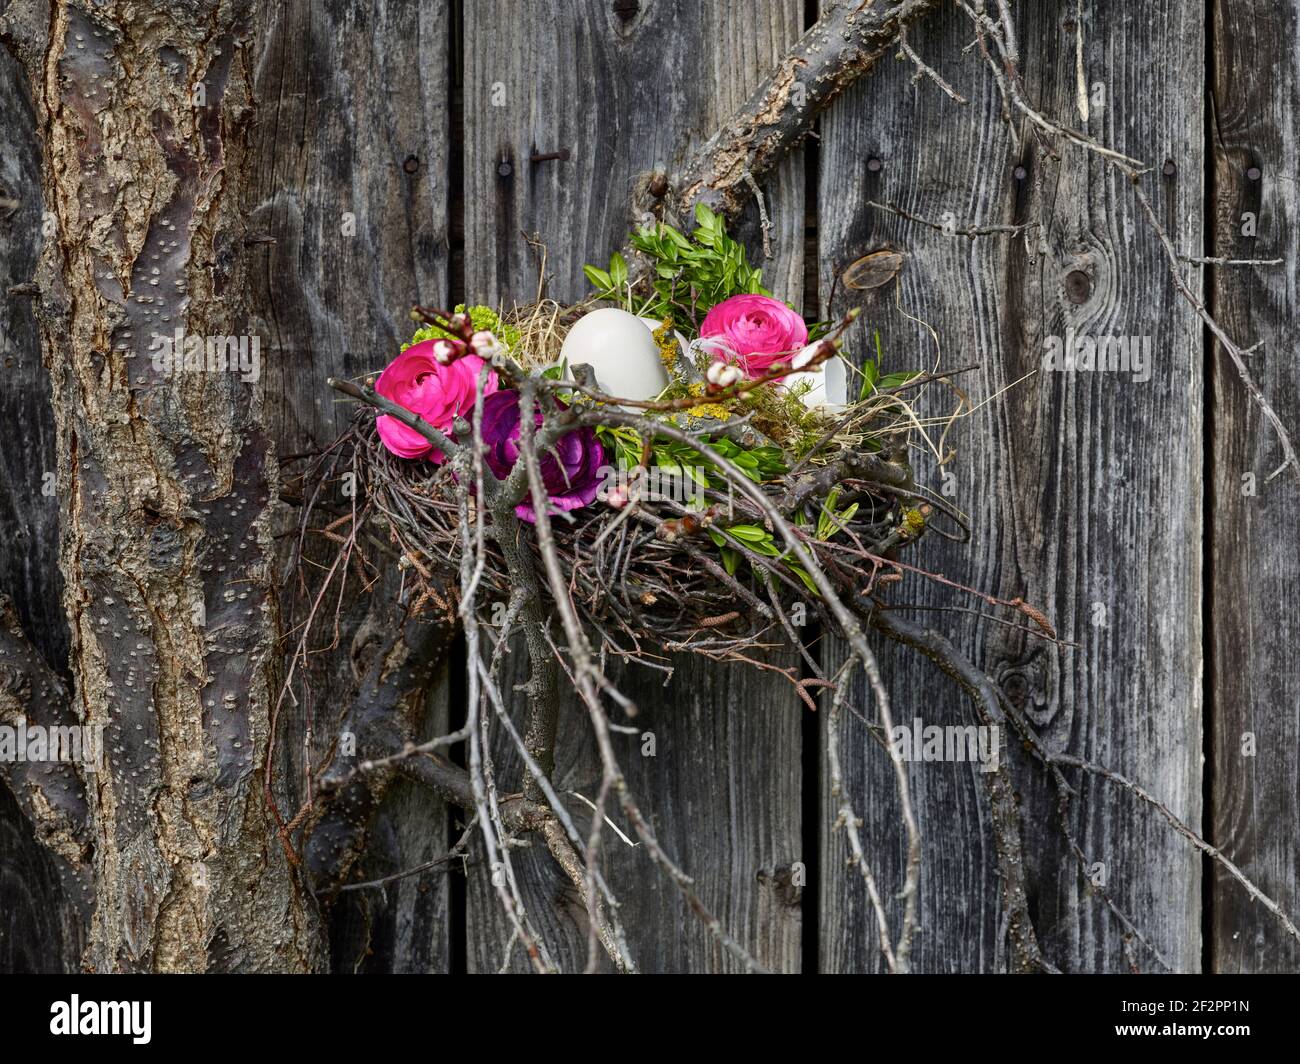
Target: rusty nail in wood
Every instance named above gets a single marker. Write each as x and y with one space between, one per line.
874 164
1169 169
1020 173
411 165
504 168
544 157
1254 173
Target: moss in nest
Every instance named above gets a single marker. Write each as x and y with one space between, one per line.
913 522
782 417
484 319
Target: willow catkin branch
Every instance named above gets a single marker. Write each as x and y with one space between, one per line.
586 673
1006 815
480 765
849 626
1006 73
562 839
1207 848
848 819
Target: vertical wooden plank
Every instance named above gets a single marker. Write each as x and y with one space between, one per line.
627 87
1254 619
1083 488
349 226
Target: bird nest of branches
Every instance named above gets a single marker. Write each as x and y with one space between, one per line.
680 463
512 463
679 565
671 545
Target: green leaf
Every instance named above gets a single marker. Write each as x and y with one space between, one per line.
870 374
895 380
803 575
824 524
599 278
748 533
730 559
691 273
828 521
618 270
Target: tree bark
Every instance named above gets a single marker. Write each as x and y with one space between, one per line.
166 480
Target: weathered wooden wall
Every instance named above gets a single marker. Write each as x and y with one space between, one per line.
1083 489
1251 610
350 228
1116 505
625 89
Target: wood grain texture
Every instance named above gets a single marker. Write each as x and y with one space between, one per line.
1083 489
351 182
349 219
627 88
1254 619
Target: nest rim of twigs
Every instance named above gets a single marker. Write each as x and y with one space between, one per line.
647 577
704 573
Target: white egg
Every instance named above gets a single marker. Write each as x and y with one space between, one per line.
621 351
829 391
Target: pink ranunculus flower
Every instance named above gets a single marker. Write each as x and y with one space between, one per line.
573 471
439 392
759 330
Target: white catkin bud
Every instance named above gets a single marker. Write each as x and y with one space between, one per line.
486 346
721 375
617 498
443 352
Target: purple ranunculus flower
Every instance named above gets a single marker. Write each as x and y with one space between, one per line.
570 470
